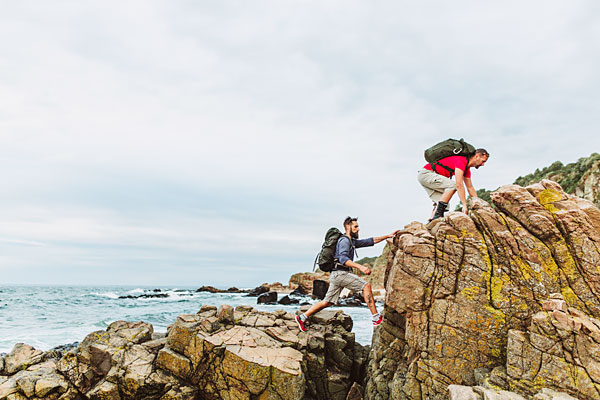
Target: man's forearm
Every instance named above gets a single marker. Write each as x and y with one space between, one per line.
461 194
380 238
471 190
352 264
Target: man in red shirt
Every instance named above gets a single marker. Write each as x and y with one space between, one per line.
439 185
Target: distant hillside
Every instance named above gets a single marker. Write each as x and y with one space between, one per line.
581 178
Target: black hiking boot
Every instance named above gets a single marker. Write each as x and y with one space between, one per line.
439 211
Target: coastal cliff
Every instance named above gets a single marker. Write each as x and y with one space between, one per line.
504 299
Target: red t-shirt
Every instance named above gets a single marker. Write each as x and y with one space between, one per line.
451 162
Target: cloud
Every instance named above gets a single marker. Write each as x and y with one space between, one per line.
147 136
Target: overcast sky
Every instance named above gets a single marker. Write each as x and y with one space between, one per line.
191 143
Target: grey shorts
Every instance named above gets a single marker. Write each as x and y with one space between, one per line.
435 184
339 280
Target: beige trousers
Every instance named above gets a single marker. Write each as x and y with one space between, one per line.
435 184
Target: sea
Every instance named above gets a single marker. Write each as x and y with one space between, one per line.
48 316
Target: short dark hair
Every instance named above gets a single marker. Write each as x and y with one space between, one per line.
482 151
349 221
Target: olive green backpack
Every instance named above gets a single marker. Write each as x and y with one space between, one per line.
448 148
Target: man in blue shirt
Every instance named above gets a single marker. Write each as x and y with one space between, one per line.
342 277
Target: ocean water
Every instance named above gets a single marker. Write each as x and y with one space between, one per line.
49 316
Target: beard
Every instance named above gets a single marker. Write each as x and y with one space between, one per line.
354 235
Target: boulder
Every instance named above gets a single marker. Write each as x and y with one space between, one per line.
257 291
233 289
299 291
286 300
277 287
267 298
564 346
319 289
225 314
263 355
37 380
465 293
305 280
121 357
212 289
209 289
352 300
20 358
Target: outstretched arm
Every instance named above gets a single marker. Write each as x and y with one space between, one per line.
380 238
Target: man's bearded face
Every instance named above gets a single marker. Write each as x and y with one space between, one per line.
354 230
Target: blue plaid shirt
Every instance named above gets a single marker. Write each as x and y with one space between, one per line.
344 251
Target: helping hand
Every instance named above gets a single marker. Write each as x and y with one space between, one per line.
391 235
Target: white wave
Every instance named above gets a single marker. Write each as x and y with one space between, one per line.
137 290
110 295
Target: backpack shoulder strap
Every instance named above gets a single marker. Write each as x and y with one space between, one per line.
436 163
344 236
351 242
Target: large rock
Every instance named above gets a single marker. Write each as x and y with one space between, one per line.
117 361
286 301
319 289
20 358
267 298
560 350
456 288
263 355
305 280
257 291
33 374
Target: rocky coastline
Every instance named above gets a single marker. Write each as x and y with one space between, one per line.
502 304
224 353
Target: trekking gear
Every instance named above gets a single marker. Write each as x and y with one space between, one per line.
326 257
448 148
439 211
300 323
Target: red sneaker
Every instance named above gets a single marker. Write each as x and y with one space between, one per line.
300 324
378 322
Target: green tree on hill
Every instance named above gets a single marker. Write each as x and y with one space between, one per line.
567 176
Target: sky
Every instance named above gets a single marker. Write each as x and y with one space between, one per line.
190 143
